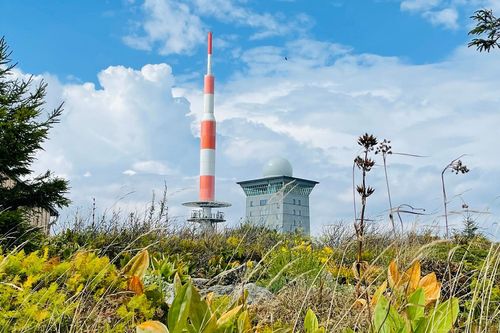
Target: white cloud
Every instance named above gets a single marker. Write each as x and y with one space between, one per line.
265 24
450 14
178 26
447 17
129 121
170 25
419 5
129 172
153 167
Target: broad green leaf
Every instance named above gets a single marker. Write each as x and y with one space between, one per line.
397 322
138 265
380 290
422 325
201 317
177 283
416 306
243 323
441 320
228 316
179 311
381 316
151 326
310 322
386 319
445 316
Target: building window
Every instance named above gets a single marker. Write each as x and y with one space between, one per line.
300 212
299 202
250 213
263 202
251 203
294 201
294 212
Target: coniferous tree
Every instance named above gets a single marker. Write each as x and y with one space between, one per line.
23 129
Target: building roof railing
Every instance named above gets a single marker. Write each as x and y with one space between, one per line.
272 185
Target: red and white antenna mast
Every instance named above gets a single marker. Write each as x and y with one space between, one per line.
203 214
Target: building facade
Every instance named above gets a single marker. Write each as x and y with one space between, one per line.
278 200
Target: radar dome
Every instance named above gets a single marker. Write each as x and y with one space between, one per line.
276 167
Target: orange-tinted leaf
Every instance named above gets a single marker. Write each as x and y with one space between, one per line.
138 265
380 290
393 274
52 262
432 288
413 276
360 303
151 326
226 317
135 285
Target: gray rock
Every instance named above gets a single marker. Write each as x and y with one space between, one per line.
255 293
199 283
231 276
168 290
219 290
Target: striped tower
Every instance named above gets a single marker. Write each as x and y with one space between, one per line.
207 144
203 214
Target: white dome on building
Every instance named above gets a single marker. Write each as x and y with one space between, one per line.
276 167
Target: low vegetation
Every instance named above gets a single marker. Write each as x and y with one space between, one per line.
417 283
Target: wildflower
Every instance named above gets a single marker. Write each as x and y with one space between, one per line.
233 241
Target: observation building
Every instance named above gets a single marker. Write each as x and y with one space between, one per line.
278 200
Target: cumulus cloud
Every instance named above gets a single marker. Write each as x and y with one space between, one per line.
129 121
177 26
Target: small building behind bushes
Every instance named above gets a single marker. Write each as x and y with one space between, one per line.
38 217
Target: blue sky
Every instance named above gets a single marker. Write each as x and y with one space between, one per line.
130 73
76 39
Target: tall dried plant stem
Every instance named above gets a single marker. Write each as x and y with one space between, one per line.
362 218
391 217
445 203
452 165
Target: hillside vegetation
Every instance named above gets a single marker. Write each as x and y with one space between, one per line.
145 276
